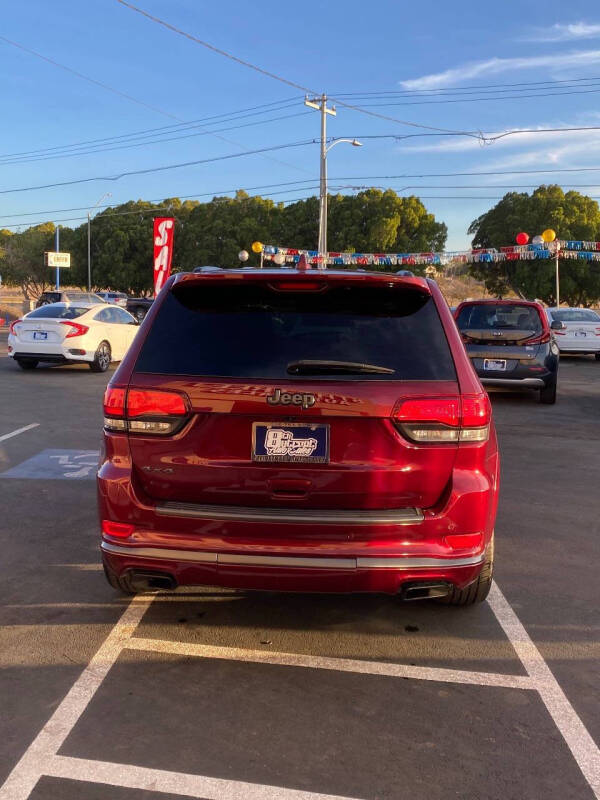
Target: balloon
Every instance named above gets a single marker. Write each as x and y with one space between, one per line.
537 240
522 238
257 247
548 235
243 255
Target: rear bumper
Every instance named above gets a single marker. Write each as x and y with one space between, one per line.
290 573
514 383
52 355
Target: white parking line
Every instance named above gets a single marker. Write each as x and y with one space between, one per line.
382 668
41 757
36 760
179 783
580 743
18 431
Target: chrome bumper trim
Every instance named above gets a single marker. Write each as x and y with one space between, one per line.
526 383
299 562
310 516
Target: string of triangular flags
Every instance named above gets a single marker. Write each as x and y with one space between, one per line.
569 249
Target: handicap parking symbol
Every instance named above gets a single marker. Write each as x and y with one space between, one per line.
57 465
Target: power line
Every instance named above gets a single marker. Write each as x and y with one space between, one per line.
128 146
499 86
273 75
482 98
124 95
159 169
87 78
164 129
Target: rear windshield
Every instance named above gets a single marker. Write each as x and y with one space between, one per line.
84 298
251 331
57 312
575 315
50 297
487 316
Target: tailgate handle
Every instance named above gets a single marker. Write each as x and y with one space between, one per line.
290 487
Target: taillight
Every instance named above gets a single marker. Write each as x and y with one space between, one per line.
120 529
147 411
542 338
431 420
76 329
11 328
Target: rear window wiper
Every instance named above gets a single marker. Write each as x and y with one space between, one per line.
318 367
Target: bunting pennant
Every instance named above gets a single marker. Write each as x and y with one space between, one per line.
569 249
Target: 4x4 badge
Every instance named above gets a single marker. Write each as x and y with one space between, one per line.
279 398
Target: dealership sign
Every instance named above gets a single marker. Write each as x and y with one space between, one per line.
163 250
57 260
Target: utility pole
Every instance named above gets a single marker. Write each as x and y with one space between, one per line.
57 249
557 278
320 103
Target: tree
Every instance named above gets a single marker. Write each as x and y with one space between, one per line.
23 259
571 214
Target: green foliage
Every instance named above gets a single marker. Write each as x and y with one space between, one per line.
571 214
214 233
22 259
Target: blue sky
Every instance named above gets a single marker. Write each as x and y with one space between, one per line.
428 53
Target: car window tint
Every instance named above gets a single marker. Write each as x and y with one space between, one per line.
253 331
488 316
57 312
124 317
103 316
576 315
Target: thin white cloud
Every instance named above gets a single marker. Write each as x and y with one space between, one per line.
495 66
566 33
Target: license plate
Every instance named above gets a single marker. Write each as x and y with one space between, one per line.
291 441
40 335
580 333
494 364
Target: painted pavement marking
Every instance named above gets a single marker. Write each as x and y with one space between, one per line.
382 668
18 431
41 756
56 465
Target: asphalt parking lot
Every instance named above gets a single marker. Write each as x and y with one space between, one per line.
222 695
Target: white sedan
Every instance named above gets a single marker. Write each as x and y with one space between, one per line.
580 332
63 333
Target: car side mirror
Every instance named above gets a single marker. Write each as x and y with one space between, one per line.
557 325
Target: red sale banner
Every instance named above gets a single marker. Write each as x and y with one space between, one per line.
163 250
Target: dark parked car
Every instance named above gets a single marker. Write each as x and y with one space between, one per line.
303 431
60 296
511 344
139 306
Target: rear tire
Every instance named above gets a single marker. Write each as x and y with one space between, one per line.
477 591
102 358
27 363
122 585
548 394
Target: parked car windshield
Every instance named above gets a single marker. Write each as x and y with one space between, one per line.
57 311
251 331
575 315
488 316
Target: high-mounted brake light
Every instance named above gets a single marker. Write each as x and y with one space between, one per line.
298 286
77 329
144 411
441 420
11 328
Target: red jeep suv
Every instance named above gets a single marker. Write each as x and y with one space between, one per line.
302 431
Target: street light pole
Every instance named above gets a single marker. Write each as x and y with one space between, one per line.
89 233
